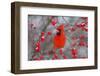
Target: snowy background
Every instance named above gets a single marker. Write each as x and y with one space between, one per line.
42 30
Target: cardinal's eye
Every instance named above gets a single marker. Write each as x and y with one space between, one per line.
58 32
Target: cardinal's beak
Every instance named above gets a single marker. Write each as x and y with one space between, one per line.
58 32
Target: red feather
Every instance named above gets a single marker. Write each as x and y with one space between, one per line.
60 38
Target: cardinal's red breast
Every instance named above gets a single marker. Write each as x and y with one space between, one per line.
60 38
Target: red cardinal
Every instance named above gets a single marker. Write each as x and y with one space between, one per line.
60 38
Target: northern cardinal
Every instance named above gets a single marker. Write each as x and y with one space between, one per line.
60 38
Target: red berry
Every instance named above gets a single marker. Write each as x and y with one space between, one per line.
74 51
72 29
38 44
82 43
42 33
65 57
42 38
61 52
55 56
41 57
86 29
37 49
49 33
82 24
53 22
78 25
82 36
